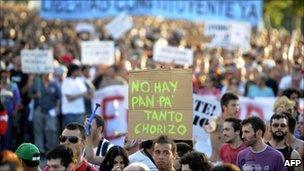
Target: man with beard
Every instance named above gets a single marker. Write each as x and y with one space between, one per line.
258 156
164 153
233 144
279 130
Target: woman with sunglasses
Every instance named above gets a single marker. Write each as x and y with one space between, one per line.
116 159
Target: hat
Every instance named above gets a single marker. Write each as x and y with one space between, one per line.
28 151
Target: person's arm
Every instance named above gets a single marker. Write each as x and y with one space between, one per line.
296 155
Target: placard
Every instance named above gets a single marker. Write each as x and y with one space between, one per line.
37 61
119 25
97 52
160 103
169 54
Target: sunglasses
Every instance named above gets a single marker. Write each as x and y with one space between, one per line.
72 139
276 125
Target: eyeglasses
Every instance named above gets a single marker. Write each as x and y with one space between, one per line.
72 139
276 125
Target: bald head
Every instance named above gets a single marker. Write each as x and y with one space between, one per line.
137 167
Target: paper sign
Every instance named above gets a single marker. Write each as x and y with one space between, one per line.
169 54
119 25
97 52
230 35
160 103
37 61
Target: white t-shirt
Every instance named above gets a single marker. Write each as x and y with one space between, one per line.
72 86
142 158
286 82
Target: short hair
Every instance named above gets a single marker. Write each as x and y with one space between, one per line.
72 68
62 152
289 91
197 161
256 123
77 126
226 167
99 121
291 122
236 124
164 139
278 116
227 97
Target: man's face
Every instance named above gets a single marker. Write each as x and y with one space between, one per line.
73 140
55 165
228 132
248 135
163 156
301 124
232 108
279 129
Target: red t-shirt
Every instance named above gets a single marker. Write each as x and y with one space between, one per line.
228 154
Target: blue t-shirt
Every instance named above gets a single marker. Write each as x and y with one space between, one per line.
266 160
255 91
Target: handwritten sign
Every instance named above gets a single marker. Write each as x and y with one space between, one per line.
97 52
168 54
160 102
119 25
36 61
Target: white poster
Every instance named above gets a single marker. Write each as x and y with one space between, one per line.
97 52
119 25
229 34
114 110
169 54
37 61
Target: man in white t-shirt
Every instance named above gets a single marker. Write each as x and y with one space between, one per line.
294 80
73 91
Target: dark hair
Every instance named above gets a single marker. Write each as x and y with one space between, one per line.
236 124
71 69
289 91
226 167
256 123
108 161
197 161
278 116
99 121
30 163
183 148
291 121
227 97
164 139
77 126
64 153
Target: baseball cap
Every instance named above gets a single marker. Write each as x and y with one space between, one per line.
28 151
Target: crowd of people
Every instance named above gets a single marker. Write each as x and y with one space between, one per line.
49 109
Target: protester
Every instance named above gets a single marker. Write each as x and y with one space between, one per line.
137 167
182 148
279 130
30 156
116 159
131 145
46 95
226 167
230 108
300 125
60 158
144 155
164 153
97 146
253 129
73 136
232 133
9 161
195 161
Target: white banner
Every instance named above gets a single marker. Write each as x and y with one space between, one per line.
37 61
97 52
114 104
168 54
229 34
119 25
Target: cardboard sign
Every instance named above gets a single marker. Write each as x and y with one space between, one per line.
37 61
160 103
230 35
170 54
119 25
97 52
